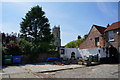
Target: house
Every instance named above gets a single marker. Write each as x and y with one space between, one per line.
104 37
112 35
95 38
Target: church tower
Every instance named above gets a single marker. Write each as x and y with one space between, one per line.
56 33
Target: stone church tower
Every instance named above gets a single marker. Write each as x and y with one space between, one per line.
56 33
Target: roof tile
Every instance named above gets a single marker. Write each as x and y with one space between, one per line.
100 28
115 25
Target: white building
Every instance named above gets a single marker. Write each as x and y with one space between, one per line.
68 53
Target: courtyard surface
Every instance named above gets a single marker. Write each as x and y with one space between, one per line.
59 71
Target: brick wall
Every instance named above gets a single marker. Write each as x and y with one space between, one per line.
41 58
116 42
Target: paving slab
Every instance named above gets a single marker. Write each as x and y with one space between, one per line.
45 68
13 69
36 68
5 76
23 75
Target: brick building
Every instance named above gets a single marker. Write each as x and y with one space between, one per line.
95 38
112 35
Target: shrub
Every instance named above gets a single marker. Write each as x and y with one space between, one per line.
25 46
74 44
12 48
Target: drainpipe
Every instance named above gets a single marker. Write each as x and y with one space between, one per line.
118 40
118 33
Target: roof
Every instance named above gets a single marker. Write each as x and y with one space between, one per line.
100 28
113 26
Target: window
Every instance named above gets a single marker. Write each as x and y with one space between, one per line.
111 36
57 35
97 42
72 55
62 51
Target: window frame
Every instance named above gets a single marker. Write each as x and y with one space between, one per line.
111 36
97 41
62 51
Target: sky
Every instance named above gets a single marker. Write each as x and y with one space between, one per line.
74 18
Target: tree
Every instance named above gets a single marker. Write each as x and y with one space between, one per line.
79 37
35 28
85 36
108 25
12 48
25 46
74 44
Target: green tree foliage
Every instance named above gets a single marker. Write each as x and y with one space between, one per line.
74 44
79 37
85 36
52 47
35 28
26 46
